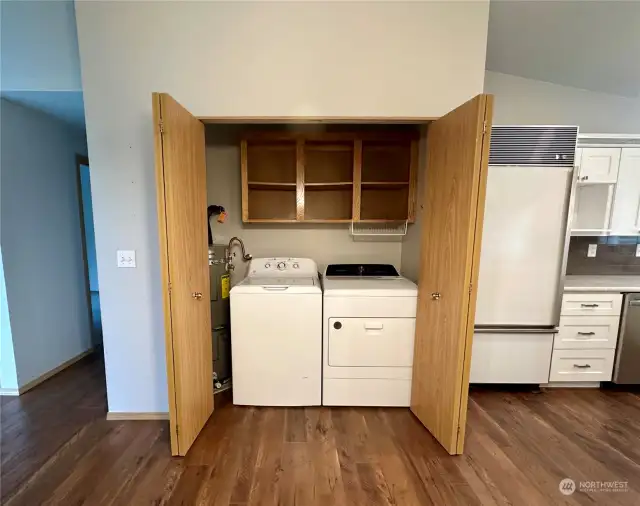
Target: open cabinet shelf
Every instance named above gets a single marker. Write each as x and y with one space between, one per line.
333 178
387 204
272 204
265 185
385 161
338 185
321 203
327 162
592 209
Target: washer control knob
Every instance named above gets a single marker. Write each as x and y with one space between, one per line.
281 266
267 265
296 266
337 325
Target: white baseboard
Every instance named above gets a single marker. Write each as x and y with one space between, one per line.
43 377
128 415
571 384
9 391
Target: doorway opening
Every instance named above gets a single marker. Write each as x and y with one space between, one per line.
89 249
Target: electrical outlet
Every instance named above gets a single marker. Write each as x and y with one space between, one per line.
126 258
593 249
638 250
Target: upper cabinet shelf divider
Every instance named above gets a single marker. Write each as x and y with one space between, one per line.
328 177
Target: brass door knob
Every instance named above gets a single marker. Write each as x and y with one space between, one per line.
435 296
197 295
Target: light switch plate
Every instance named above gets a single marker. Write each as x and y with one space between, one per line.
126 258
638 250
591 252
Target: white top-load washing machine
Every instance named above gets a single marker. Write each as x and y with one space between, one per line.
369 321
276 326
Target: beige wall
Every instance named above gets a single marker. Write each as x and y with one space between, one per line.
410 258
357 59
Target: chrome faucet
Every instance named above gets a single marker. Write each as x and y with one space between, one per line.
229 259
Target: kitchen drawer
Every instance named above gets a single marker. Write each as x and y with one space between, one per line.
591 304
587 332
581 365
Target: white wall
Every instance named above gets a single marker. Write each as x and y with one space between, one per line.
324 243
525 101
239 59
39 45
412 242
41 241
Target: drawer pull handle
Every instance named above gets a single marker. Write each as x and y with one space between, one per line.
579 366
589 305
586 333
373 326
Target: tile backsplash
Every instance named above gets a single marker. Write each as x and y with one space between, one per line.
615 255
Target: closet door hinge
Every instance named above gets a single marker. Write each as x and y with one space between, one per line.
161 126
470 288
169 288
484 126
177 430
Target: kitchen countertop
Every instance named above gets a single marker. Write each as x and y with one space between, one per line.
616 284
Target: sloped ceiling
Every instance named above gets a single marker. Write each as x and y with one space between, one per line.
594 45
66 106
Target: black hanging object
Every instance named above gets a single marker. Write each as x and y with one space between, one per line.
214 211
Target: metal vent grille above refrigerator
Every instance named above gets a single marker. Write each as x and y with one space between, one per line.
551 146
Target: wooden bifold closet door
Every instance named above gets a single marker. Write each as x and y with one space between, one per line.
457 158
182 224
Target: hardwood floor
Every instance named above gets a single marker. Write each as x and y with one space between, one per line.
57 448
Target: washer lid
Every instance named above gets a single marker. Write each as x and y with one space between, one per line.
267 285
369 287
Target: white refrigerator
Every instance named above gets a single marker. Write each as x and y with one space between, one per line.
523 241
522 262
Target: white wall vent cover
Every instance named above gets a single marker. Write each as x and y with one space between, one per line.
551 146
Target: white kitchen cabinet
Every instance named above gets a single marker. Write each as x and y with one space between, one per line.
592 209
581 365
591 304
599 165
625 216
587 332
584 347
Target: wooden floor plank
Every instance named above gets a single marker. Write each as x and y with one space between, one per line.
58 449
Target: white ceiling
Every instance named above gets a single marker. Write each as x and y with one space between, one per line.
594 45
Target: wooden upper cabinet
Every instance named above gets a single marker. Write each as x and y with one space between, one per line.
329 177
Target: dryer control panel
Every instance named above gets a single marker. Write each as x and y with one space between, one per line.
278 266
